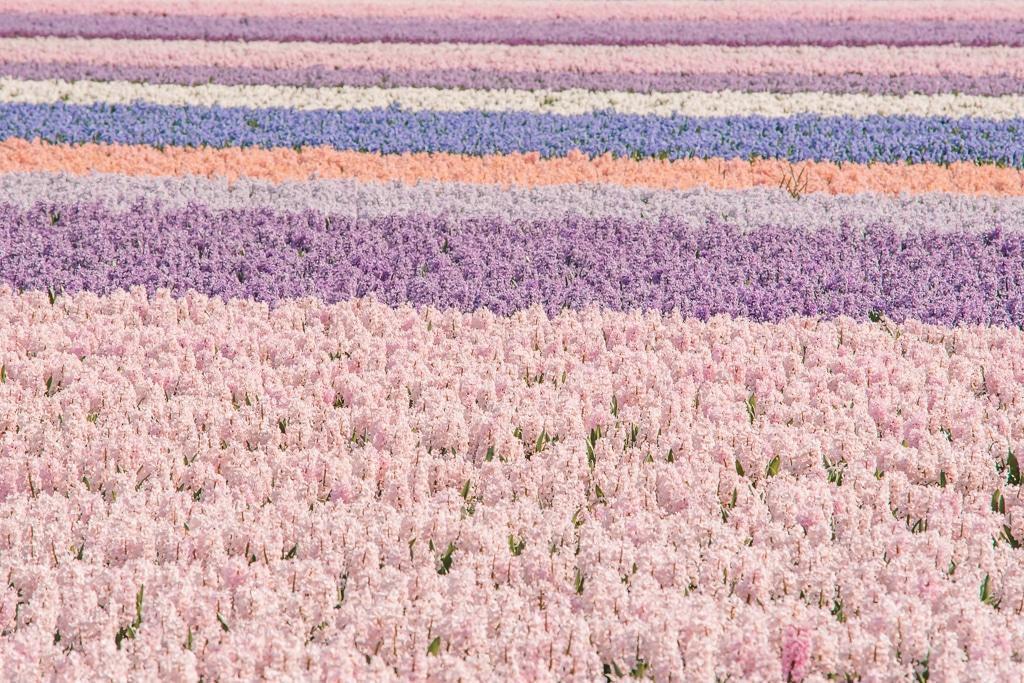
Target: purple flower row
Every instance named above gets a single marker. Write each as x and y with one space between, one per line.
702 269
519 31
317 77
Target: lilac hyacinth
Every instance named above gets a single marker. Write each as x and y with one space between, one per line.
522 31
320 77
699 268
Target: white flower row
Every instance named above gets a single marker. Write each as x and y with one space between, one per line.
567 102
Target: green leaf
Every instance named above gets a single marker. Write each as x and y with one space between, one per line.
639 669
122 633
942 478
343 583
921 669
773 467
290 555
490 454
834 470
752 408
1007 535
223 624
998 502
435 647
514 546
837 611
446 559
542 441
138 607
985 592
739 468
1013 477
465 490
595 434
578 581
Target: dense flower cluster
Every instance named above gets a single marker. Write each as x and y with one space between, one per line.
562 102
700 267
457 78
876 60
393 130
307 164
523 31
586 340
190 488
742 211
651 10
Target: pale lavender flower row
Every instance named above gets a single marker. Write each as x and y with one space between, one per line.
527 80
699 267
193 490
520 31
743 210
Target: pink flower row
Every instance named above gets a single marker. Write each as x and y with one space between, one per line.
191 488
826 10
876 60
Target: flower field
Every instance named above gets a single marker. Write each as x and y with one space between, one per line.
535 341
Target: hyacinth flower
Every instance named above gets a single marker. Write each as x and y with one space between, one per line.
665 341
327 469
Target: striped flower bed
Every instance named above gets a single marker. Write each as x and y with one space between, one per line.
572 341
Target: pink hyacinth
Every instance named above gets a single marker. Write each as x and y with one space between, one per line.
192 488
796 653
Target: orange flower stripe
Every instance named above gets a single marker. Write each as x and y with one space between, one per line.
284 164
